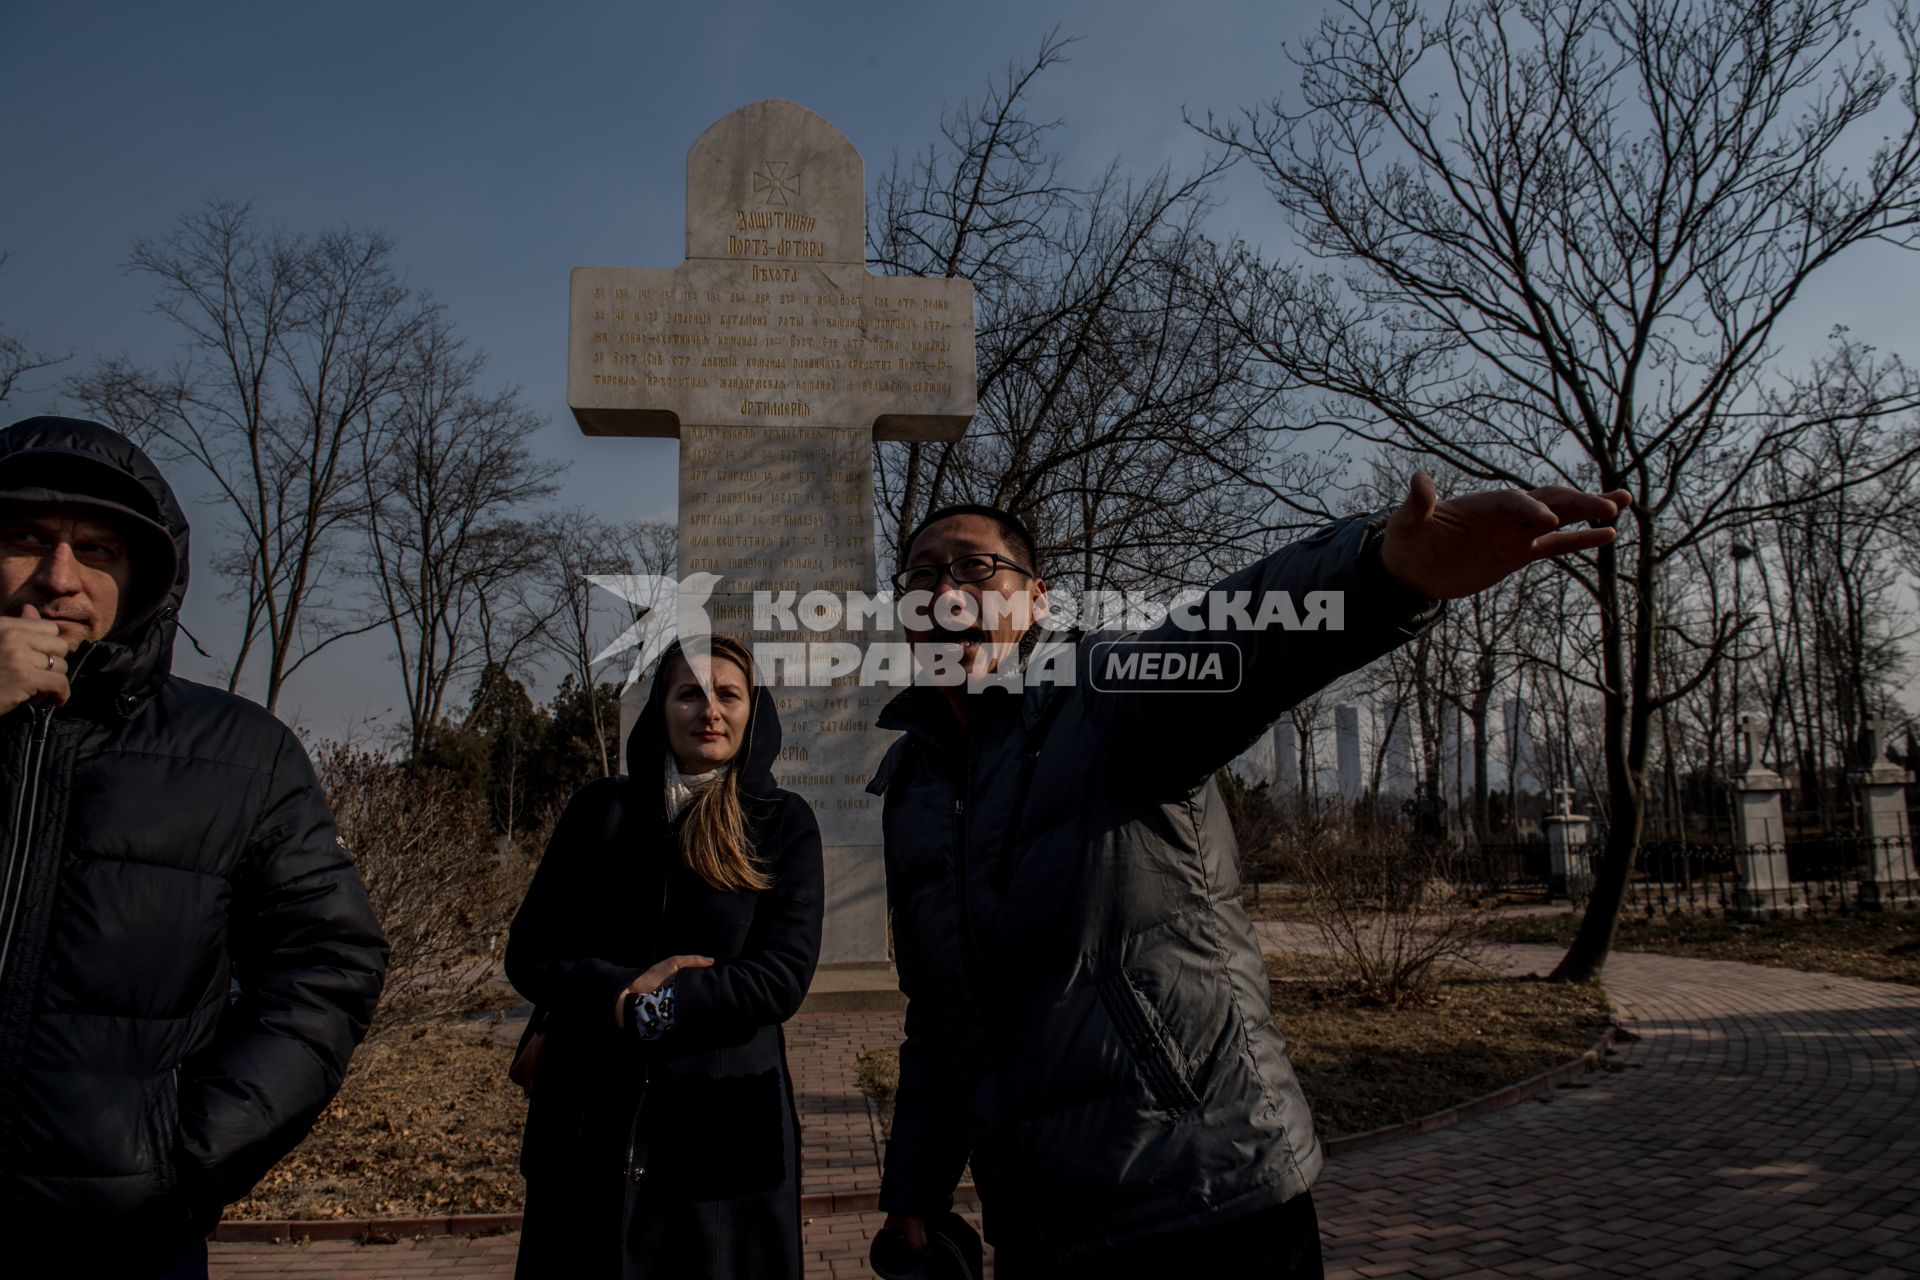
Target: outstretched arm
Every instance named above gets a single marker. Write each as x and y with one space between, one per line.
1351 592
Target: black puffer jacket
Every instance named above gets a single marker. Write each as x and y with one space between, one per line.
188 955
679 1157
1088 1015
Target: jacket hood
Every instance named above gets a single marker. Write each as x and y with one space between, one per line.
51 459
647 744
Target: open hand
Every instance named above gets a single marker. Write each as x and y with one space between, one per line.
1454 548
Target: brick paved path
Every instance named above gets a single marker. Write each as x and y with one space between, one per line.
1764 1123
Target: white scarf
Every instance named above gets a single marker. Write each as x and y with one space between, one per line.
682 786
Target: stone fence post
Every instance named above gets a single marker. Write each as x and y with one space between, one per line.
1570 875
1764 887
1882 788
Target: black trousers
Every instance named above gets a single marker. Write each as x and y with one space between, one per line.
1281 1243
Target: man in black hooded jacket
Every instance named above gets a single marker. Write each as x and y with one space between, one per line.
187 955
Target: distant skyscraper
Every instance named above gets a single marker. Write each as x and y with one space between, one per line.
1398 777
1520 746
1346 746
1286 756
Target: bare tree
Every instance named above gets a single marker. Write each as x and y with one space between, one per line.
1115 411
447 469
1841 652
292 346
16 361
1565 237
579 545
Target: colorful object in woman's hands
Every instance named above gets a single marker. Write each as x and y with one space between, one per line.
650 1013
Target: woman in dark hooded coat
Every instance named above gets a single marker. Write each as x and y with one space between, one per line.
673 925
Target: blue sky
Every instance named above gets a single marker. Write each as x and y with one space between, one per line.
503 144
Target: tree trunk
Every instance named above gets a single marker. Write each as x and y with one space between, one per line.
1627 715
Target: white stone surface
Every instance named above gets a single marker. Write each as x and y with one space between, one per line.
777 360
773 319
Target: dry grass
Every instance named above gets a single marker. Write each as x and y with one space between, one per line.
878 1071
1884 947
1363 1064
427 1124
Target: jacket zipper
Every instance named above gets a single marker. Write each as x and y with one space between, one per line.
13 888
634 1173
962 896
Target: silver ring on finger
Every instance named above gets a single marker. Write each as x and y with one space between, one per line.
49 662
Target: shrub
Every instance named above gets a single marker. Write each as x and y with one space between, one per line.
443 885
1389 907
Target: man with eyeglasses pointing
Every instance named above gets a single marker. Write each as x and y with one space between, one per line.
1088 1025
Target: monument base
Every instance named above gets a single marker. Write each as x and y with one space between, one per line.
1882 896
857 987
1762 904
1570 883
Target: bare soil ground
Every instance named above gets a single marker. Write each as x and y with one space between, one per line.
1883 946
427 1124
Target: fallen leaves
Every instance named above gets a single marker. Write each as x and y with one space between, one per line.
424 1126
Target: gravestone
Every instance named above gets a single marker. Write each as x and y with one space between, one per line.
777 360
1882 788
1763 887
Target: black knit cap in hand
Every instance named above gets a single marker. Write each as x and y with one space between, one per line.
953 1252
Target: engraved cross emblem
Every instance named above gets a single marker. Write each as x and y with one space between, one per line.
773 181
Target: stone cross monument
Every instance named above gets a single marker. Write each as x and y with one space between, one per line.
777 360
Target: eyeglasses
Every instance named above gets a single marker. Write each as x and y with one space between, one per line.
974 568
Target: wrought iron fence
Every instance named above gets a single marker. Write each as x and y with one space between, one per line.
1811 875
1503 868
1826 875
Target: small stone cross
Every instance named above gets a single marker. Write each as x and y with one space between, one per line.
1751 728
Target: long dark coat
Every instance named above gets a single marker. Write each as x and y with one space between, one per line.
677 1158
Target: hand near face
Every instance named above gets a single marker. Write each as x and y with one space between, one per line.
1445 550
33 660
